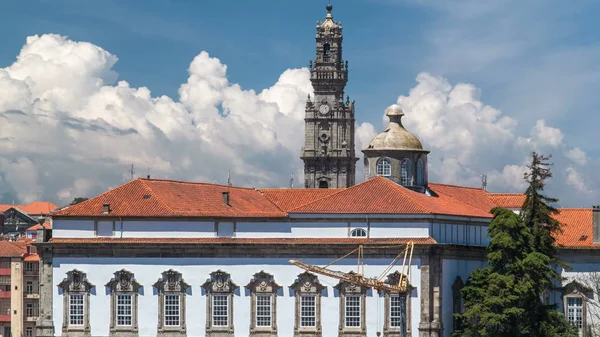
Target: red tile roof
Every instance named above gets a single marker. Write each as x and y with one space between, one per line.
382 196
475 197
167 198
12 249
31 258
46 225
36 207
508 200
290 198
427 240
578 229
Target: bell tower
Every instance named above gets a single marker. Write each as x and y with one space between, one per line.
328 152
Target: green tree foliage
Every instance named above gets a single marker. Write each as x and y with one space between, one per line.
504 299
77 200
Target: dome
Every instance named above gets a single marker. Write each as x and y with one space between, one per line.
395 136
329 23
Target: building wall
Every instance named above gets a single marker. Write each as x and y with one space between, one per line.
195 272
453 268
16 298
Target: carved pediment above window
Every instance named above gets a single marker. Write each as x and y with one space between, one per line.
171 281
263 282
394 279
575 287
350 288
219 282
458 284
76 281
123 281
307 283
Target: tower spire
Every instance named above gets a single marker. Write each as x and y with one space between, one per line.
328 153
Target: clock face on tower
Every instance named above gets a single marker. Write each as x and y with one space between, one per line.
324 109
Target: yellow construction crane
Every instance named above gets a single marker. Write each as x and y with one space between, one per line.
359 279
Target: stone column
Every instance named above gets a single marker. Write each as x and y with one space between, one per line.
431 294
44 326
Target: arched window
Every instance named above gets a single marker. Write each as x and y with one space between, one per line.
420 173
384 167
326 52
406 173
358 233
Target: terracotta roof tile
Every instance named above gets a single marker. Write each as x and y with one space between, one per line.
475 197
31 258
166 198
578 227
382 196
508 200
427 240
290 198
12 249
47 225
36 207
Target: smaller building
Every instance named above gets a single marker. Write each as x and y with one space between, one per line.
19 288
16 219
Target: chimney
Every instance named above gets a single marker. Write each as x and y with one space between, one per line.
226 198
106 208
596 223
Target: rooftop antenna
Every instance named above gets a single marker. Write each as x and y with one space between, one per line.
132 171
228 178
292 180
148 172
484 182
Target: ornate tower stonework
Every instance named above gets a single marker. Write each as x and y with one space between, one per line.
328 152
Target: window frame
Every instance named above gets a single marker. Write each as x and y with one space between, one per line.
577 291
263 284
29 331
359 230
76 284
403 302
346 290
265 302
577 316
223 310
171 283
312 308
122 308
420 174
307 285
29 287
381 166
406 172
219 284
123 283
352 307
171 305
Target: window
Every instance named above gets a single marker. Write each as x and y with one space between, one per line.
220 310
575 311
29 310
76 309
29 331
124 310
172 291
323 184
29 287
352 304
307 293
395 311
308 311
405 173
352 311
263 310
420 173
76 291
219 301
326 52
384 167
358 233
124 291
172 310
263 301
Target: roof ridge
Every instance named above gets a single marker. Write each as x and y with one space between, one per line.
574 208
503 193
195 183
333 194
459 186
403 189
149 189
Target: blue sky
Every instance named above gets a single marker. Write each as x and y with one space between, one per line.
531 60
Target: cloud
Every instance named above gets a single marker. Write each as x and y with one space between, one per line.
68 132
468 138
575 179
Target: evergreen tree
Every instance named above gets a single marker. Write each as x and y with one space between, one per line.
504 299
